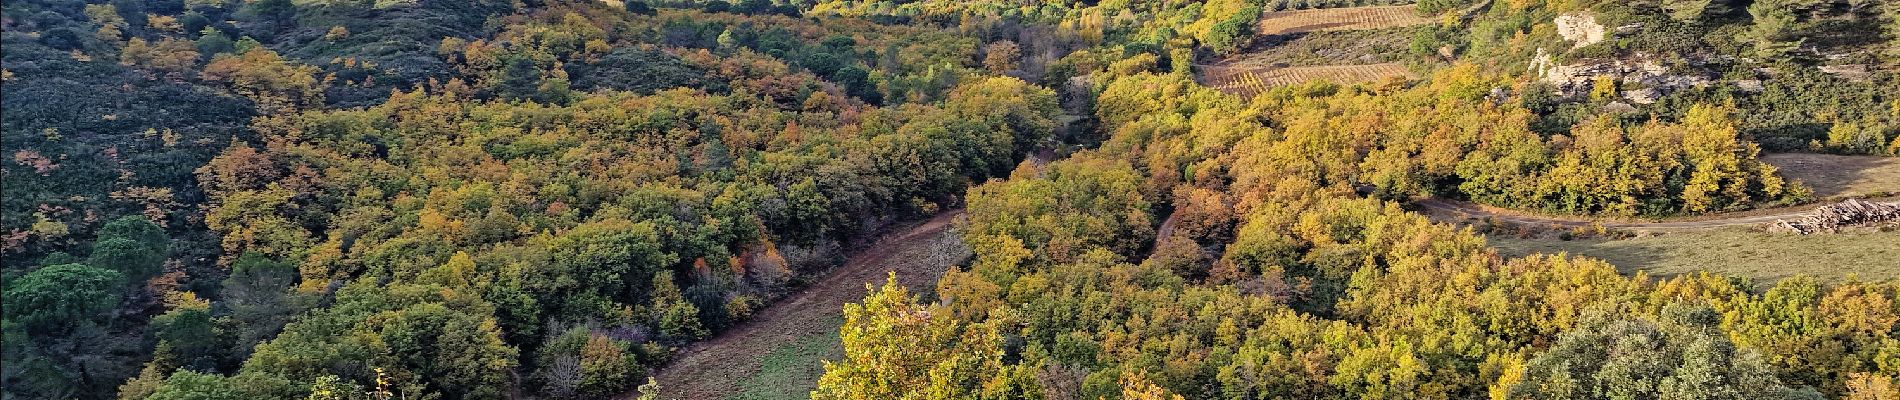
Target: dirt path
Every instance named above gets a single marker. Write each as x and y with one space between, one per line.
1449 210
719 368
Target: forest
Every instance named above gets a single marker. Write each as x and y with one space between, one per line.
485 199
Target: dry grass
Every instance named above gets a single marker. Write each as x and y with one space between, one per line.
1248 81
1766 257
1836 176
1339 19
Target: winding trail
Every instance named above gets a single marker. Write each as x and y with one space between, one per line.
1450 210
720 367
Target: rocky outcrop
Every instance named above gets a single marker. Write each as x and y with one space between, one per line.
1645 81
1580 28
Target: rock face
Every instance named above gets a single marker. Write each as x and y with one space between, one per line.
1580 28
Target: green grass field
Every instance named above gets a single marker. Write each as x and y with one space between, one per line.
1765 257
791 371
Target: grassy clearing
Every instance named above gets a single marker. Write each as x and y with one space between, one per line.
791 371
1766 257
1339 19
1836 176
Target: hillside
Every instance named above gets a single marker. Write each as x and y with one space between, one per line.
357 199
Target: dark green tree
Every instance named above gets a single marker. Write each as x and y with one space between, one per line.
212 41
131 258
139 229
259 297
53 299
192 337
521 80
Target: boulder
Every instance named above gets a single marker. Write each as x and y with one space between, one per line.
1618 107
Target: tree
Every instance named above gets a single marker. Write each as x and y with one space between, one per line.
857 83
649 390
191 335
461 354
615 258
276 84
584 362
139 229
53 299
752 6
259 295
677 318
606 367
522 80
268 16
1857 138
896 348
1004 105
1001 57
418 339
170 56
111 24
638 7
132 259
133 246
190 385
1683 356
1773 28
1233 34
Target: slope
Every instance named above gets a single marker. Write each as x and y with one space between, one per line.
727 365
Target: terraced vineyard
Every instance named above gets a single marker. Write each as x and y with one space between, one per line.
1247 81
1339 19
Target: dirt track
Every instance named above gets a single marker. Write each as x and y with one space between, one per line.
717 368
1449 210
